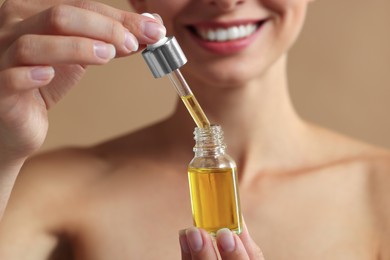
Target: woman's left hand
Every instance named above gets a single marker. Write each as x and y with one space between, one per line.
196 244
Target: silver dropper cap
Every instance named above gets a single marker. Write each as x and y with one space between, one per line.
164 58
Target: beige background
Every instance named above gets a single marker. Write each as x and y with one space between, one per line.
339 74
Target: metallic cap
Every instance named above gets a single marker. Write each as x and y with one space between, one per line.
165 58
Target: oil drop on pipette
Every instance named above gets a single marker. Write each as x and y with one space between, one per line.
196 111
212 174
189 99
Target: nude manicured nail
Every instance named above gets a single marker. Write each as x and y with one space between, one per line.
42 73
153 30
194 239
104 51
131 43
226 240
158 17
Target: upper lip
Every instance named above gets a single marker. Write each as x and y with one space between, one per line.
216 25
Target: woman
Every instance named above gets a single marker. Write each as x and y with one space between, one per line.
306 193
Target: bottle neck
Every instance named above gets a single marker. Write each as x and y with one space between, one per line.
209 141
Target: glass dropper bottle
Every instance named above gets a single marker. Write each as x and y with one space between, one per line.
165 58
212 173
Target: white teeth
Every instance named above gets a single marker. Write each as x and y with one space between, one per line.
212 35
222 35
233 32
227 34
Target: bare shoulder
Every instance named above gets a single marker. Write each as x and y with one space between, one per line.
374 160
71 167
374 163
58 179
364 172
371 161
49 179
61 166
379 189
46 194
341 150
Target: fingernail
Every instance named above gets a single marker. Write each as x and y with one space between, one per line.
183 241
148 15
42 73
194 239
131 43
104 51
153 30
226 240
158 18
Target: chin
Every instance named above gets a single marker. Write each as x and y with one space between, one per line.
224 73
220 77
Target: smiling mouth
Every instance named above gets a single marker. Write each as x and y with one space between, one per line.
226 33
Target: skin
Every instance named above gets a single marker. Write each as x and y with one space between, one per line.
306 192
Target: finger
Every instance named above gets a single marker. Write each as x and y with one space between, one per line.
156 17
14 95
200 244
184 247
24 78
253 251
230 246
41 50
73 21
145 29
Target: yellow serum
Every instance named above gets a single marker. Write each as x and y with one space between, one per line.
214 199
196 111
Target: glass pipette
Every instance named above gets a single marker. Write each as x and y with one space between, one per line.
165 58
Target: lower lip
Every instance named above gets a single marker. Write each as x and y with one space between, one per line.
228 47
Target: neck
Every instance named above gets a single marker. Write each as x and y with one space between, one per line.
254 118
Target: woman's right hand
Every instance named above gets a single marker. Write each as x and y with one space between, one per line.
45 47
197 244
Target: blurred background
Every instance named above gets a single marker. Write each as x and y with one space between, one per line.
339 74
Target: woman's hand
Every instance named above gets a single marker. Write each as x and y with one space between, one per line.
198 244
45 47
